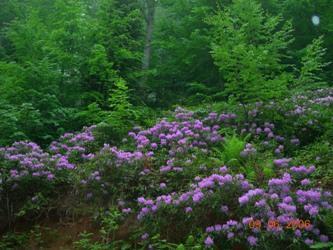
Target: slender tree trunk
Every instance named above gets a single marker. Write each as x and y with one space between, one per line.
149 14
149 38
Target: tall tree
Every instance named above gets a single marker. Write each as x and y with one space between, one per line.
312 66
148 10
248 47
183 69
300 12
121 32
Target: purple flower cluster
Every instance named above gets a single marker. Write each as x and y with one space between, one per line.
70 144
199 191
178 136
27 159
248 151
245 198
303 170
282 201
121 157
282 163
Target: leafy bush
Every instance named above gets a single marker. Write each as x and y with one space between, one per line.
171 177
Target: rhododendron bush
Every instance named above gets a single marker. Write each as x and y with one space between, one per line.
227 179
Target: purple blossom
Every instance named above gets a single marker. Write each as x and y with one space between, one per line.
287 208
126 210
210 229
223 169
295 141
209 241
323 238
284 162
145 236
230 235
308 241
252 240
188 209
305 182
298 233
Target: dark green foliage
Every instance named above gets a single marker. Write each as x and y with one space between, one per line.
181 59
310 76
60 58
248 47
320 153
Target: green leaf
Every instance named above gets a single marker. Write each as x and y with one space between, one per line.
181 247
190 240
322 245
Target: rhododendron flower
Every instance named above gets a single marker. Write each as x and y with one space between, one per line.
209 241
252 240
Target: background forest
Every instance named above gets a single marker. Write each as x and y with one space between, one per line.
65 64
84 85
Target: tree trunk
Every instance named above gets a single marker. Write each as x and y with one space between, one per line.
149 37
149 14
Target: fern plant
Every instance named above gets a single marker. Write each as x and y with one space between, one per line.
232 148
258 170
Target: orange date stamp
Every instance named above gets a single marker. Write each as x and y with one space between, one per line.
275 224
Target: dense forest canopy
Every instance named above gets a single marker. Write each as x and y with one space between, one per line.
60 61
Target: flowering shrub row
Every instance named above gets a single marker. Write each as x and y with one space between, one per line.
170 170
227 204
